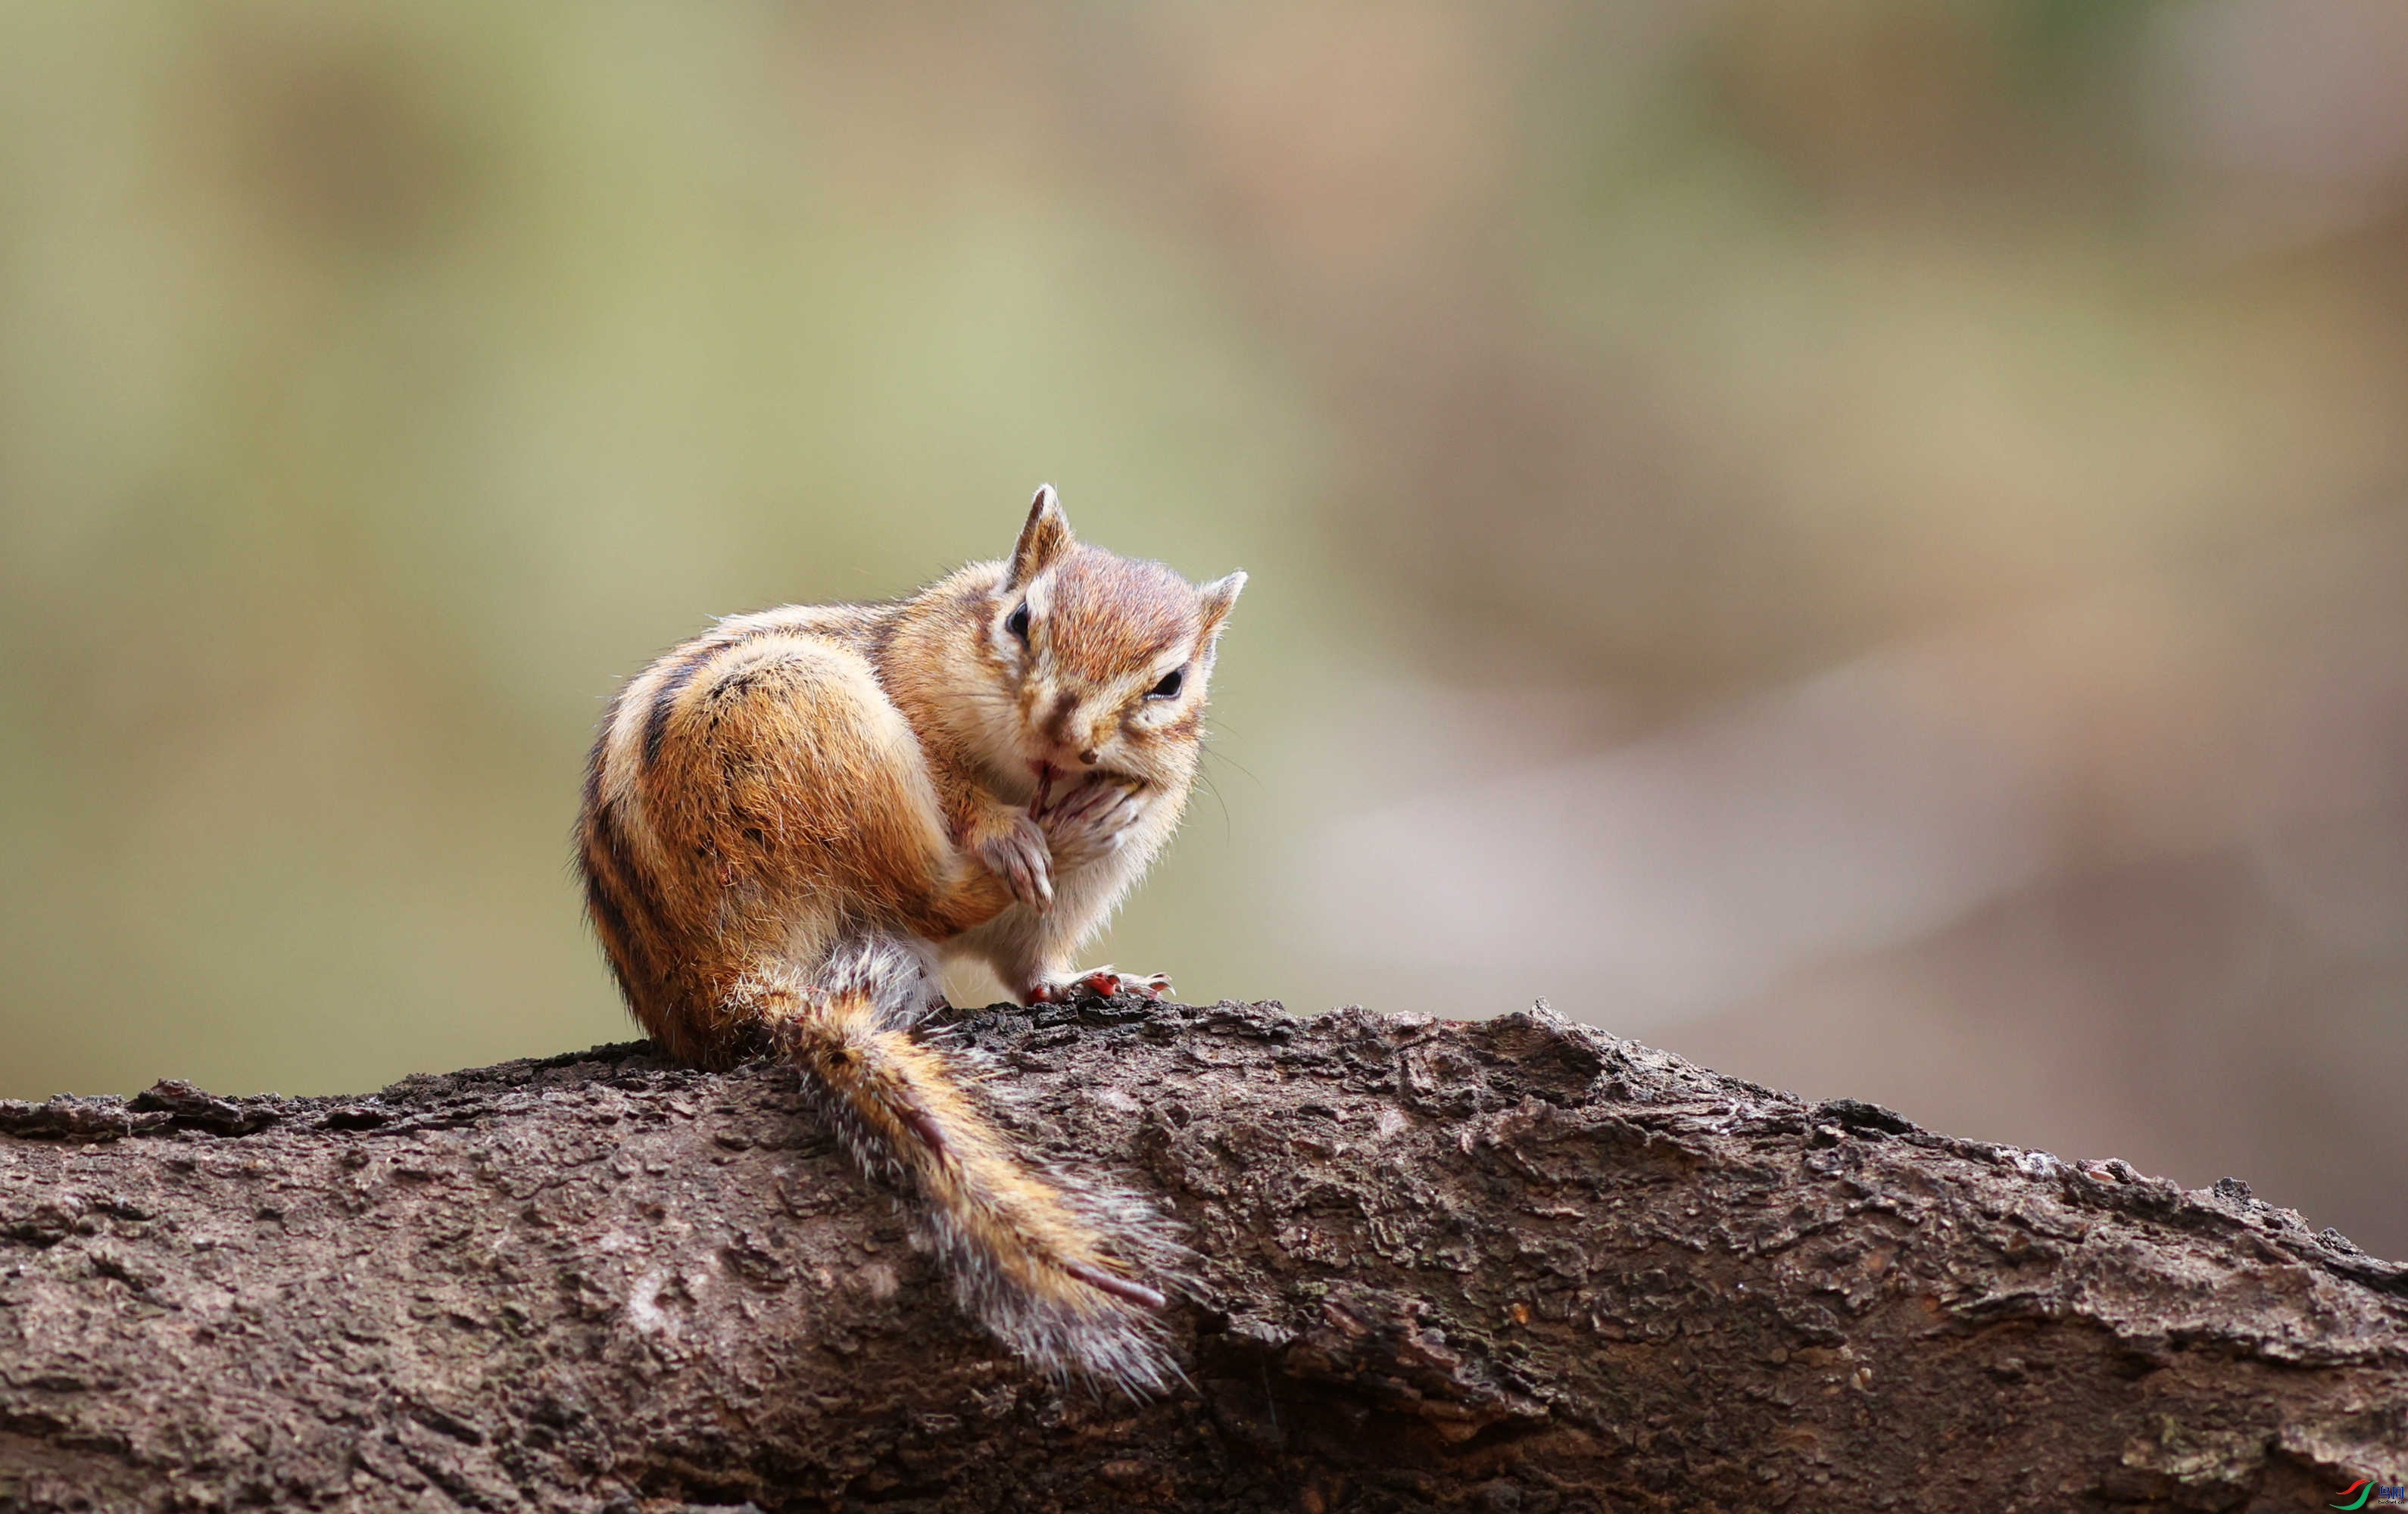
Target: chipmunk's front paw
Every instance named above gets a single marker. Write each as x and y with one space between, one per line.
1103 982
1093 820
1018 854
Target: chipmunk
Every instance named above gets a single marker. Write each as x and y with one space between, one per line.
790 819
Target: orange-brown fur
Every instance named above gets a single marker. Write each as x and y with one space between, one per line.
789 818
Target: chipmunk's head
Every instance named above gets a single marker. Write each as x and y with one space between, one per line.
1107 657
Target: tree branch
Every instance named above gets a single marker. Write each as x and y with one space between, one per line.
1511 1264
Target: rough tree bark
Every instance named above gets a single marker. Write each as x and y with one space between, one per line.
1507 1265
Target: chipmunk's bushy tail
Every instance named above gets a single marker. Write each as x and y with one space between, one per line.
1067 1272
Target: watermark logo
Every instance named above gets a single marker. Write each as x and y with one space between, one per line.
2367 1493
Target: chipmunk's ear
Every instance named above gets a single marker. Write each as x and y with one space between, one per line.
1213 602
1044 539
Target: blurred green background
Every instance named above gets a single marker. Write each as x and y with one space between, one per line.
1863 542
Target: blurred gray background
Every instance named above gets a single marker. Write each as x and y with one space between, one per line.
1862 542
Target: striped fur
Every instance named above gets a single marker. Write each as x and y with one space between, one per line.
790 819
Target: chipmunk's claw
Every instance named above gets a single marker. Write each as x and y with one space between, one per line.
1104 983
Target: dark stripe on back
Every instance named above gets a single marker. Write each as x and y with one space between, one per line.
611 868
620 942
875 637
656 719
870 635
611 923
596 758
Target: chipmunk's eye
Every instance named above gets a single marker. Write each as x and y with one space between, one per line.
1018 624
1168 686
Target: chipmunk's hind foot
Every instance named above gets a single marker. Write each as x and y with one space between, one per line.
1103 982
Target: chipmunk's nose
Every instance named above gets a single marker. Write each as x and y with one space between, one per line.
1066 728
1056 724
